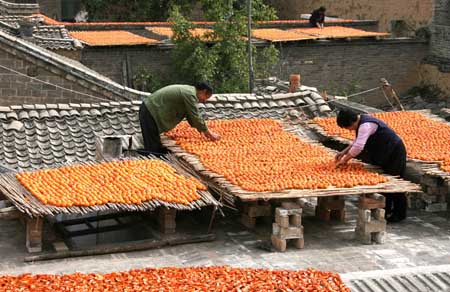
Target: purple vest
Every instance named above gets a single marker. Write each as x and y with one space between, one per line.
380 145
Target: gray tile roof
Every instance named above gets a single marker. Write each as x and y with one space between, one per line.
53 37
7 7
39 136
35 136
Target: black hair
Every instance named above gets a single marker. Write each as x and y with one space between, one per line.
204 86
322 8
346 118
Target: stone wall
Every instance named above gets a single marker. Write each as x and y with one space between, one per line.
415 13
333 66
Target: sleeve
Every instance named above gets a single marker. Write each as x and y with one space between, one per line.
364 132
193 115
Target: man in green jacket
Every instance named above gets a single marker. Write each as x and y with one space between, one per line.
167 107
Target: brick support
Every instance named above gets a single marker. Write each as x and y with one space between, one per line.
370 224
166 220
287 226
34 227
253 210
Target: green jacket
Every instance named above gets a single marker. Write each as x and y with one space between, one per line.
171 104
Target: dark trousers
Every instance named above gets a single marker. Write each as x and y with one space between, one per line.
150 133
396 204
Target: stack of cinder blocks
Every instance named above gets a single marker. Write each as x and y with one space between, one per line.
370 224
287 226
331 208
435 189
436 192
253 210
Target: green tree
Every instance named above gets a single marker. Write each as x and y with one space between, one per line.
132 10
220 56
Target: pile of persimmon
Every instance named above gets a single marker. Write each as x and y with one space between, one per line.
128 182
258 155
181 279
425 139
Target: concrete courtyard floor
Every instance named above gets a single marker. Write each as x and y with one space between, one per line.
419 244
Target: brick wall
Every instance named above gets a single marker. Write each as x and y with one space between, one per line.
440 36
335 66
121 63
51 8
416 13
16 89
354 66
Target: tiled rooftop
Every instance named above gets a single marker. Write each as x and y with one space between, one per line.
111 38
11 8
52 37
39 136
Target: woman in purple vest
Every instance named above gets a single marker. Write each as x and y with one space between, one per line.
384 148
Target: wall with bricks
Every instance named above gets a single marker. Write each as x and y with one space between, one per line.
349 67
415 13
436 71
17 89
335 66
121 63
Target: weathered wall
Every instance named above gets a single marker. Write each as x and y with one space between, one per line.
430 75
17 89
436 71
416 13
440 36
51 8
336 66
345 68
121 63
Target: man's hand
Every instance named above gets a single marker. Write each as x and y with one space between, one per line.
212 136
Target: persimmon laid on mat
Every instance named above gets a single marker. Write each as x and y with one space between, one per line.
425 139
258 155
181 279
128 182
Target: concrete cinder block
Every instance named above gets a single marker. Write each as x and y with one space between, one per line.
287 233
374 226
295 220
282 221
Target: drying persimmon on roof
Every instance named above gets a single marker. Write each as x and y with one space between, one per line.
128 182
111 38
425 139
258 155
180 280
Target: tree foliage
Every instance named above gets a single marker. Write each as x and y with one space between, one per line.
132 10
223 61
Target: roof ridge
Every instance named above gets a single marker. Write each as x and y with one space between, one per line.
42 111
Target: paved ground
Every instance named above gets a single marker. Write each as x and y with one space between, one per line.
419 243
